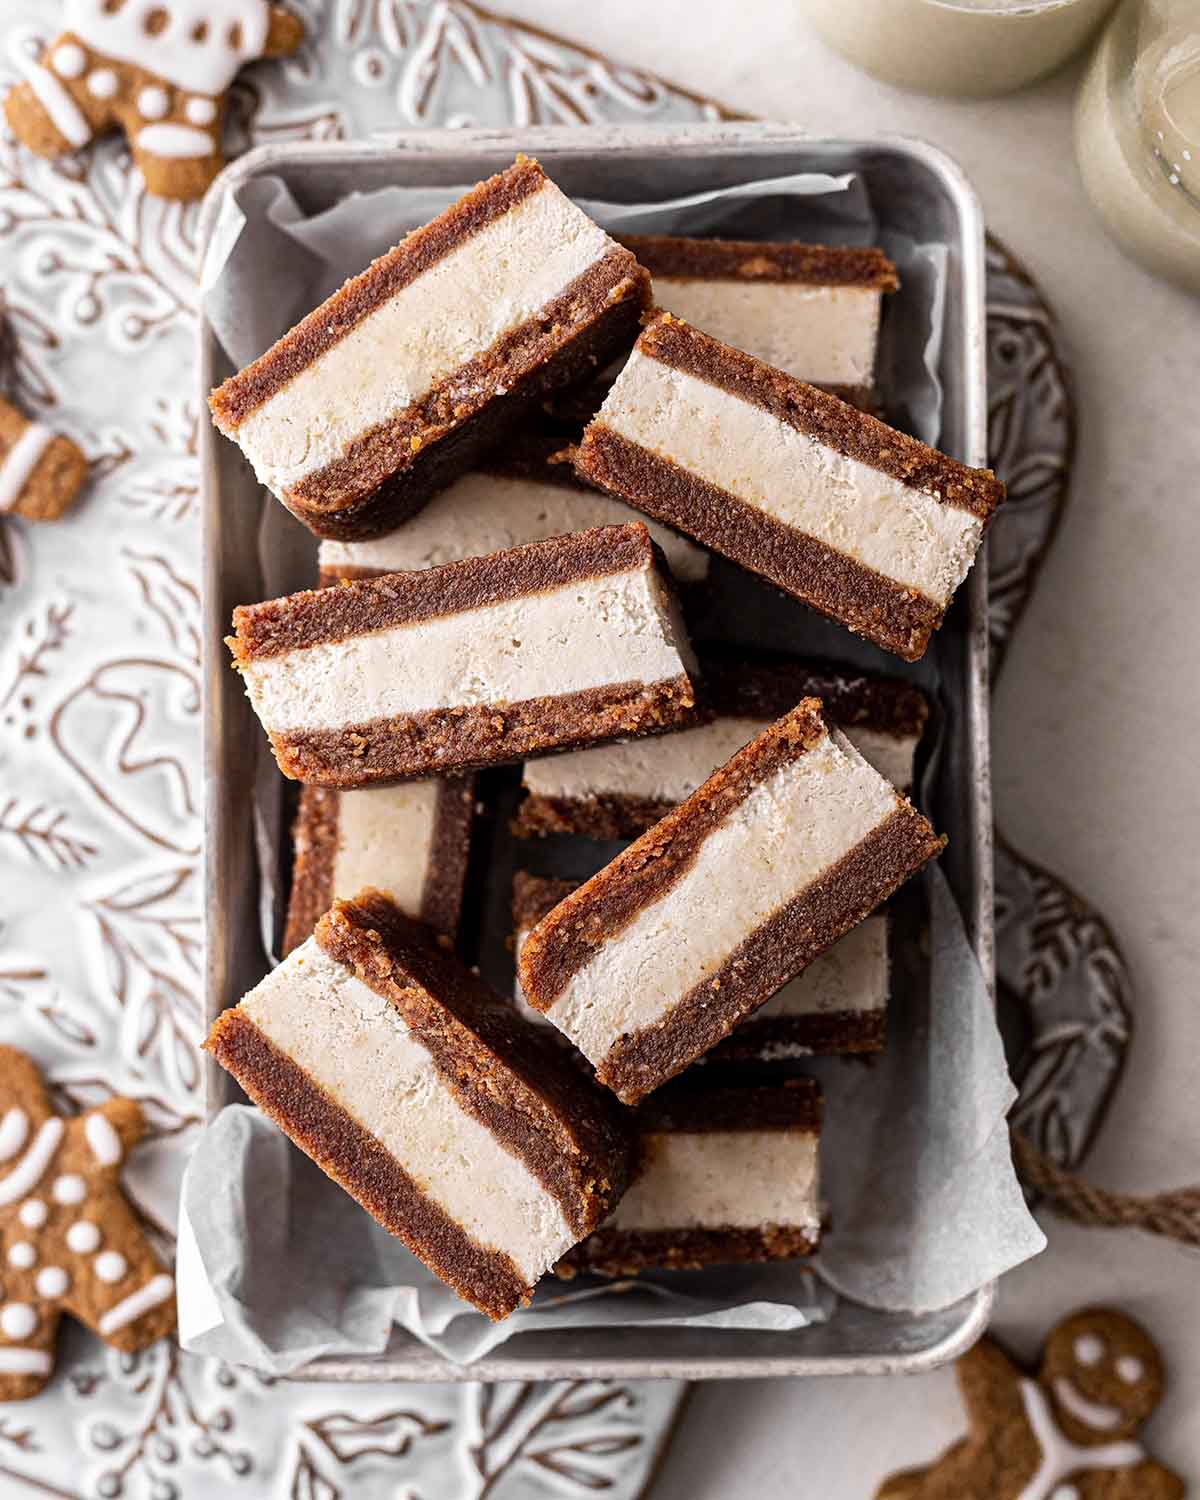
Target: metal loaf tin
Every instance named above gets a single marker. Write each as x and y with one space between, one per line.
915 190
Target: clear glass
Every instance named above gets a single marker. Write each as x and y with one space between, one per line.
971 47
1137 135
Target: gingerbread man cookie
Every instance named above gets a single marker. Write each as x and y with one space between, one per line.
68 1239
1069 1434
160 70
41 472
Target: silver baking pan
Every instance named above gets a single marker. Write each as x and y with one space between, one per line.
914 189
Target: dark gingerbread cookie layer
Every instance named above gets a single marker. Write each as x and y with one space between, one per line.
315 844
761 687
621 1252
819 1034
754 260
357 1162
897 618
500 1067
444 740
691 1107
315 616
534 895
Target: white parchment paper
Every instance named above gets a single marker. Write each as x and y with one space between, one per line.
277 1266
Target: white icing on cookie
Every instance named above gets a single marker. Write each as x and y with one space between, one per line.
14 1132
130 1308
1098 1418
22 1255
52 1282
110 1266
153 102
201 47
83 1237
34 1213
69 60
29 1171
201 111
174 142
69 1188
65 115
1060 1458
1089 1349
103 84
18 1320
25 1362
16 468
1130 1369
103 1140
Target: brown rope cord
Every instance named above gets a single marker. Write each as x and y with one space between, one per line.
1174 1215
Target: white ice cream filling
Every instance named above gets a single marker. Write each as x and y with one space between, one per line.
823 334
356 1047
851 976
492 282
483 513
592 633
802 819
670 768
903 533
724 1179
384 839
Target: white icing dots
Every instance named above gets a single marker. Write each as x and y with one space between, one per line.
103 84
34 1213
175 142
110 1266
153 102
1065 1492
201 111
18 1320
14 1132
103 1140
52 1282
69 1188
83 1237
1089 1350
22 1255
1130 1369
69 60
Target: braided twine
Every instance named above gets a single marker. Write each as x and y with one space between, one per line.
1174 1215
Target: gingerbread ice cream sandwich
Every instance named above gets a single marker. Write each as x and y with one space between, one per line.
404 378
460 1128
411 841
838 1004
725 1176
557 644
619 790
859 521
811 310
657 958
524 491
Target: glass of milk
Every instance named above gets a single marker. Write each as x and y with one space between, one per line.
973 47
1137 135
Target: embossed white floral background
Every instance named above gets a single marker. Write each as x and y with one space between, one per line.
100 830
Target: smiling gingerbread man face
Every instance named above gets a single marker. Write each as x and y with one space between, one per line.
1103 1376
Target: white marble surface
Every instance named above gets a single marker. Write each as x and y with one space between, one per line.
1096 719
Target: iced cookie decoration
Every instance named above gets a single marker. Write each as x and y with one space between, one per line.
69 1242
41 472
1069 1434
160 70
